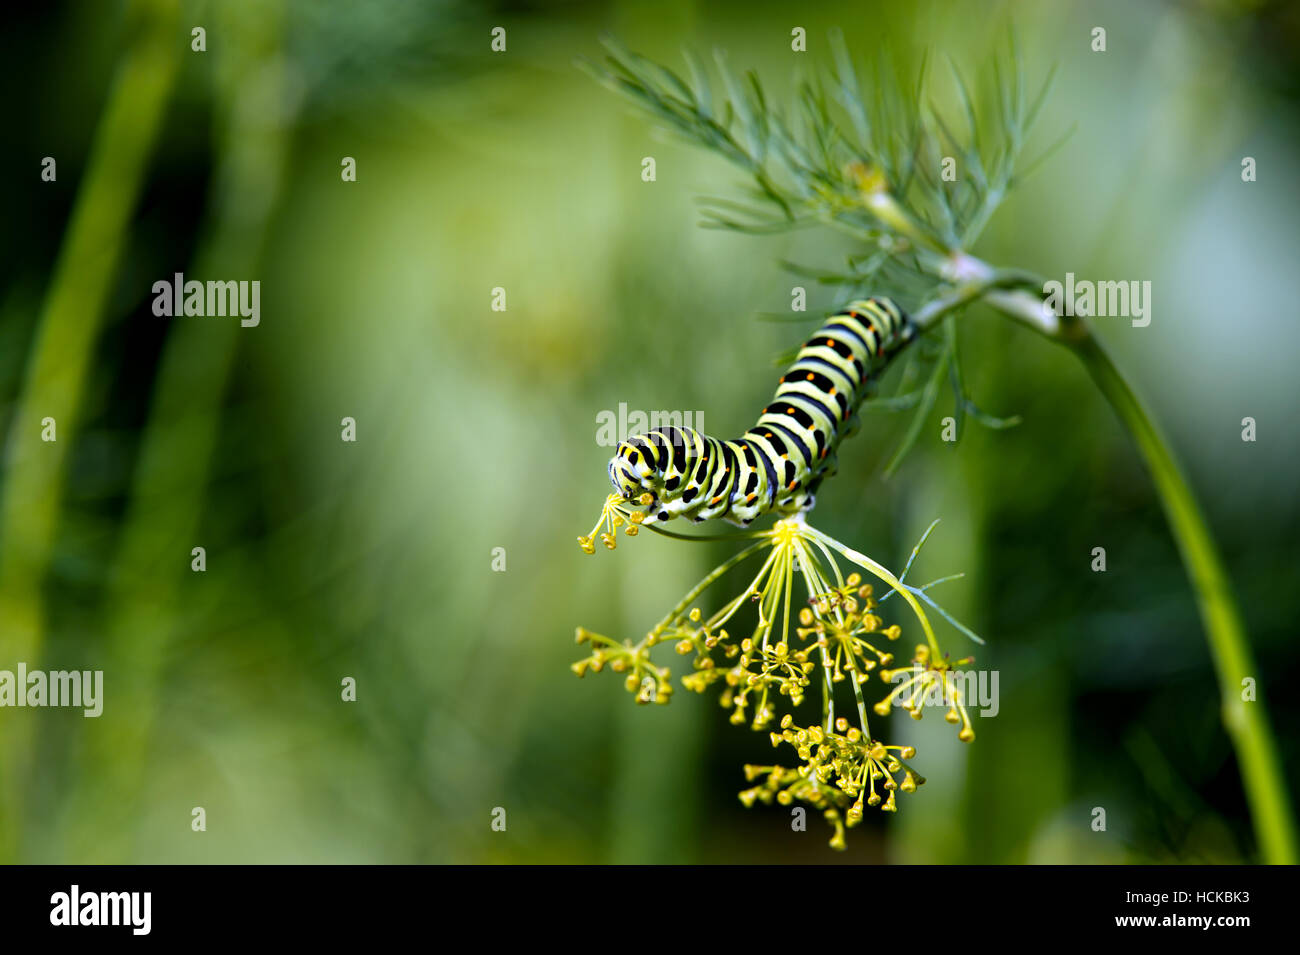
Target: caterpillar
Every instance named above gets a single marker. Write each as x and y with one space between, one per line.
777 465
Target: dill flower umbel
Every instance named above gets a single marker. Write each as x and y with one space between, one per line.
765 671
927 678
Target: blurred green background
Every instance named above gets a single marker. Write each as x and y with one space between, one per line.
477 429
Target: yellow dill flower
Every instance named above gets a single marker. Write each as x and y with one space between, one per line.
767 668
929 680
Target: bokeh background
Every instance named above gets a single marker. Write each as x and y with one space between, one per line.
477 429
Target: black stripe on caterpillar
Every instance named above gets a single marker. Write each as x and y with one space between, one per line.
778 464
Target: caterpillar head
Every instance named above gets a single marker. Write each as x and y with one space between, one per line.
653 470
633 471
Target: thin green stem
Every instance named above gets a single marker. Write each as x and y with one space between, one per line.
789 580
61 365
673 615
823 586
1247 723
814 586
866 563
929 314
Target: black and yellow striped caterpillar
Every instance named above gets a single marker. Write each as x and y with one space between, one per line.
778 464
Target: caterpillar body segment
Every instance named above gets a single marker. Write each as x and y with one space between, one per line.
778 464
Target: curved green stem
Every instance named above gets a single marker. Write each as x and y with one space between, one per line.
1246 722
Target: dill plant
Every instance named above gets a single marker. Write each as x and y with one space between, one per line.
863 158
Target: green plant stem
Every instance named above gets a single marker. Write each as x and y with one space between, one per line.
62 363
1247 723
675 614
